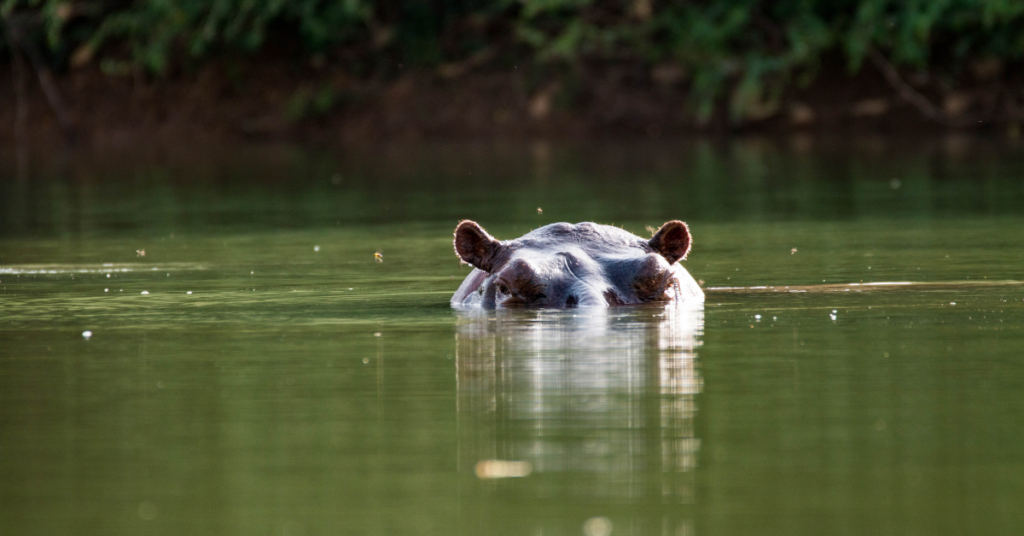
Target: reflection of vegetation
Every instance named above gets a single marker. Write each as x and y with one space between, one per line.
746 50
749 179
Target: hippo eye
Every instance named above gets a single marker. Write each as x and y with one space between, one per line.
502 288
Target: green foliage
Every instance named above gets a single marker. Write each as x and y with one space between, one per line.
755 49
159 33
744 52
307 102
161 29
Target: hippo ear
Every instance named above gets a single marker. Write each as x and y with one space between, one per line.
475 247
672 241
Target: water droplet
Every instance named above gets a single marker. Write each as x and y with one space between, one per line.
87 334
597 526
366 360
144 292
147 511
189 292
316 248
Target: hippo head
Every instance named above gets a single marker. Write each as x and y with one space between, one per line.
565 265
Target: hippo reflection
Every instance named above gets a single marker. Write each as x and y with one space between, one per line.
599 402
565 265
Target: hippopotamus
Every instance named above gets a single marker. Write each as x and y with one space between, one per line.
582 265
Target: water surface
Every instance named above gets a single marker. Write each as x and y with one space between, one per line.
258 371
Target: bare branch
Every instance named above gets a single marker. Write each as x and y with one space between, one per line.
46 80
912 96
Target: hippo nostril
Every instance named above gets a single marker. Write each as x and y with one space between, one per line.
611 298
571 301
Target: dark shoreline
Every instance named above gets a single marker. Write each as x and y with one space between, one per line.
277 103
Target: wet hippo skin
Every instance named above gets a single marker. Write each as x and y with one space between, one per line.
582 265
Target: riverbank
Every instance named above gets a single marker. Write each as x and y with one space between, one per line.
280 99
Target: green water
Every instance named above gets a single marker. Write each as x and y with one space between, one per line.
257 371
